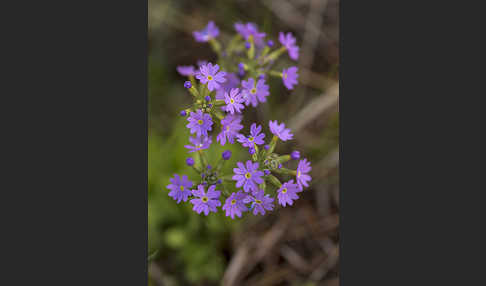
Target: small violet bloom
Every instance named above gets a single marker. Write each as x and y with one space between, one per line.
183 113
190 161
302 177
254 93
249 177
180 188
226 155
187 84
250 29
261 202
199 123
280 130
289 42
186 70
287 193
209 74
205 202
232 81
235 204
290 77
295 155
209 32
199 142
255 137
230 125
233 101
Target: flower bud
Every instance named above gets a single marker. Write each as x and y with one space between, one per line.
226 155
187 84
190 161
295 155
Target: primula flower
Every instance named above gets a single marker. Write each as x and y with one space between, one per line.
302 177
209 74
199 123
180 188
199 142
233 101
255 137
205 202
230 125
248 177
261 202
186 70
235 204
209 32
290 77
280 130
287 193
295 155
289 42
252 93
250 29
232 81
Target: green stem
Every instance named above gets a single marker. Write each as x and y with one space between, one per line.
274 55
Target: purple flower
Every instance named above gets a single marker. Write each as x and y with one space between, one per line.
247 177
252 93
235 204
302 177
287 193
241 69
289 42
226 155
290 77
295 155
255 137
250 29
205 202
199 142
267 172
199 123
209 74
201 63
179 188
209 32
261 202
230 125
270 43
232 81
187 84
233 101
183 113
280 130
186 70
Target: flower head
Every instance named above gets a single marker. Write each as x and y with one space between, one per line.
209 32
190 161
261 202
180 188
280 130
290 77
255 137
186 70
233 101
248 177
230 125
199 123
254 93
302 177
235 204
199 143
289 42
250 29
209 74
205 202
232 81
287 193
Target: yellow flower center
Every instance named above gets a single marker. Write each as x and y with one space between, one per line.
182 188
233 201
258 201
298 174
227 128
205 199
200 122
284 190
232 101
210 77
253 90
285 76
247 175
251 139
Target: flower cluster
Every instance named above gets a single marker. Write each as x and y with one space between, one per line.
221 93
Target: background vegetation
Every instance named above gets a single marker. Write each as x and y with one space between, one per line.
292 246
